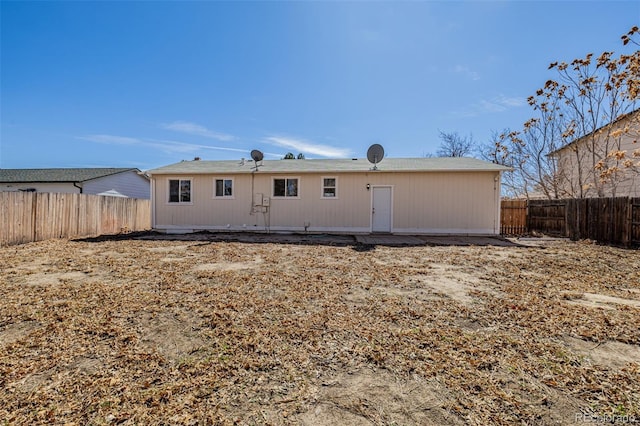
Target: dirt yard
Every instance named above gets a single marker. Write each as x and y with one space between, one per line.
317 332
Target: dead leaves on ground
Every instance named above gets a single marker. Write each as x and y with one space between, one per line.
127 332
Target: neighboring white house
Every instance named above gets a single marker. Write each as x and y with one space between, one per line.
403 196
604 163
122 182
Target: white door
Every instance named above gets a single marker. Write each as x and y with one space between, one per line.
381 209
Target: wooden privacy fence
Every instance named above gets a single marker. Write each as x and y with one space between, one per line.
606 220
31 216
513 217
548 216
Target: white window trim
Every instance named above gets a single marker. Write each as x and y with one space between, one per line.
179 203
233 188
322 187
285 197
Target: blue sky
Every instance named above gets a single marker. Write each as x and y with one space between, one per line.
145 84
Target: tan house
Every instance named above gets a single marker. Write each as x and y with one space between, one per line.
604 163
403 196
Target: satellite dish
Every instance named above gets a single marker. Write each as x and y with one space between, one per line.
375 154
257 155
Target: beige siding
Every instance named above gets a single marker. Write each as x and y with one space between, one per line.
451 202
446 203
625 183
577 175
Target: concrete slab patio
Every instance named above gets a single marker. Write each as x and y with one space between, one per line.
466 240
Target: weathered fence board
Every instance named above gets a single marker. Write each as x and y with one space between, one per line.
548 216
576 217
606 220
634 222
513 217
30 216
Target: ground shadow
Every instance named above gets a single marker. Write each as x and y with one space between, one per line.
239 237
360 243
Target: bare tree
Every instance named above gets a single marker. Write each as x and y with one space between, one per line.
540 137
577 112
454 145
506 149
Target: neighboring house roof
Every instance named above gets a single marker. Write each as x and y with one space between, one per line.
577 140
59 175
434 164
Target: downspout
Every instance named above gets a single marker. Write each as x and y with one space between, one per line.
79 187
252 193
153 201
496 191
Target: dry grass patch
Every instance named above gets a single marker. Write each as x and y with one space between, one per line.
202 332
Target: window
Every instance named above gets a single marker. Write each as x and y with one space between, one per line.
287 187
179 190
224 188
329 187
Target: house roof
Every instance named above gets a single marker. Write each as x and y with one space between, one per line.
611 123
436 164
58 175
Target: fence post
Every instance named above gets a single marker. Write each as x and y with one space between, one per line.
34 216
566 218
528 215
578 226
628 229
